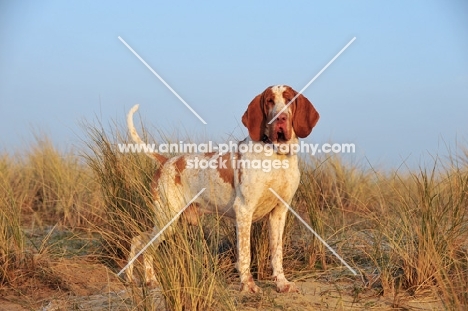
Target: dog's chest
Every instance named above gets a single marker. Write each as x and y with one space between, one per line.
260 190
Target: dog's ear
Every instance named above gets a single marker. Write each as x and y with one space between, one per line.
254 118
305 117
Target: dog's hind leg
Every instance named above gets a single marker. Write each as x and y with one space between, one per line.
139 243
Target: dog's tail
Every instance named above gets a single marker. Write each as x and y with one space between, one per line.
131 127
136 138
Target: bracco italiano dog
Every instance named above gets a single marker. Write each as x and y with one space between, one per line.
239 189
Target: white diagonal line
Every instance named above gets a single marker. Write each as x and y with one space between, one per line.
313 79
160 232
312 230
162 80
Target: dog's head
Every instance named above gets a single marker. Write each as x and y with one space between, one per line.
296 121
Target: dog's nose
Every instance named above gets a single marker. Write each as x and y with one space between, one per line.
282 118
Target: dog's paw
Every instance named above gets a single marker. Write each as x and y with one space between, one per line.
250 287
287 287
152 284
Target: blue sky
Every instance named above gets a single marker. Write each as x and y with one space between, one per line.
400 90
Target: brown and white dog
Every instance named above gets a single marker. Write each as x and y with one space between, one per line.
240 192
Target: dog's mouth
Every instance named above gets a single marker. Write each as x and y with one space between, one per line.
281 141
280 137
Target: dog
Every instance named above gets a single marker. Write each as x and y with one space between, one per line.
238 190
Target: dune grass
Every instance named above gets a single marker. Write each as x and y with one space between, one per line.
405 231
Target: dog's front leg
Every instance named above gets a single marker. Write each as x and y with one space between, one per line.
277 221
243 227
